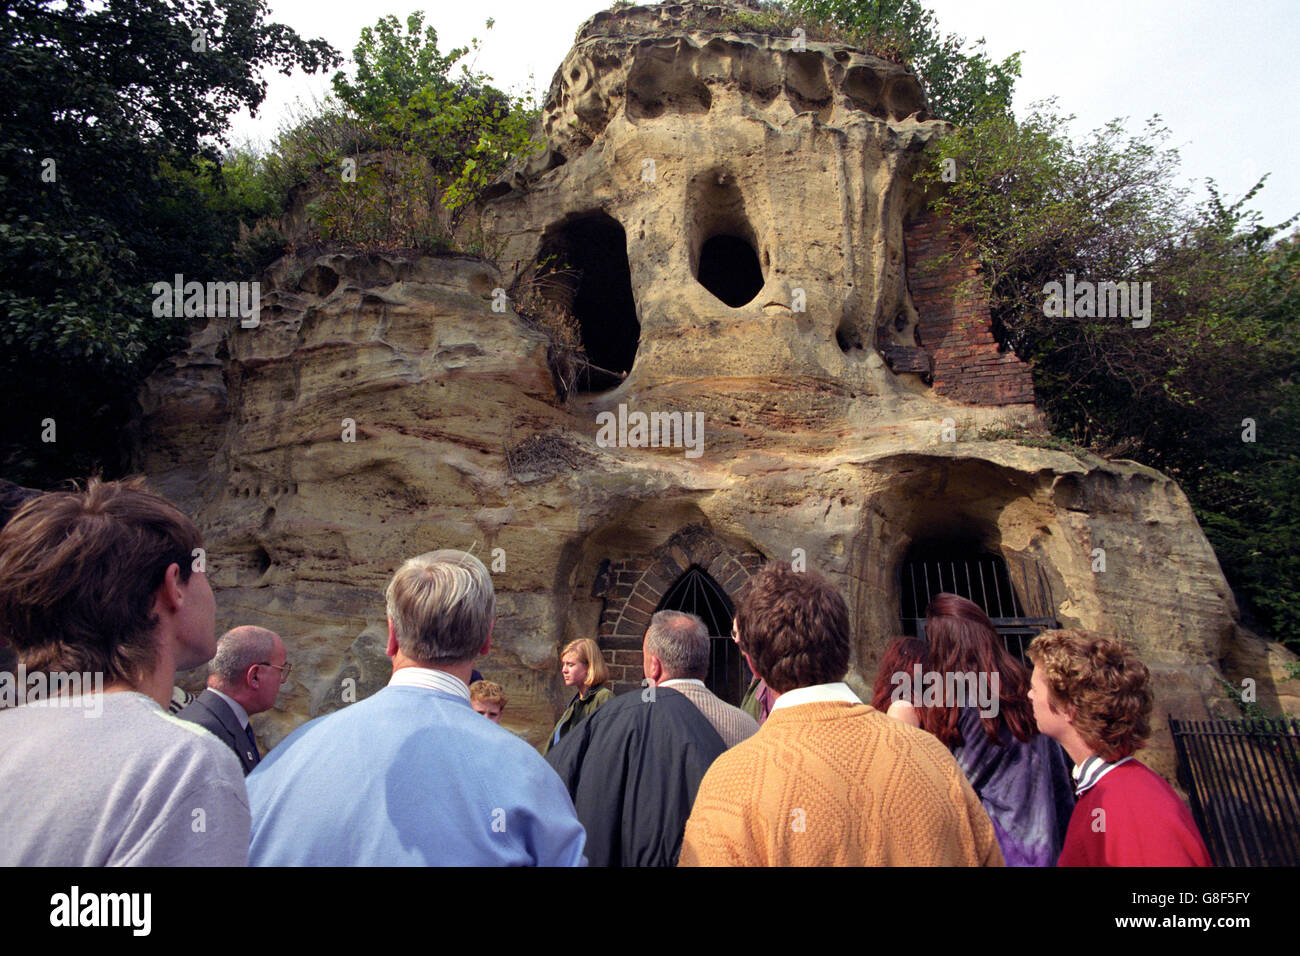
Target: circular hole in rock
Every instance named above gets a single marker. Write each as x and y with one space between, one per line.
847 337
729 268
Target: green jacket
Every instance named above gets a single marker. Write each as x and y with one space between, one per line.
757 701
579 708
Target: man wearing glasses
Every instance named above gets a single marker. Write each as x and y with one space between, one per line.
250 666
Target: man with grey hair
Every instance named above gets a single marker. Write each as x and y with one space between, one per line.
250 665
412 776
676 655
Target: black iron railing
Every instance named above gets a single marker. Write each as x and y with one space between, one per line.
1243 778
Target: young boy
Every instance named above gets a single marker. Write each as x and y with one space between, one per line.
488 698
1092 695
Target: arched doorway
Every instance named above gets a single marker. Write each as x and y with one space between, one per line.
634 586
695 592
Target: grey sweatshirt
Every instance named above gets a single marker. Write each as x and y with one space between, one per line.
117 781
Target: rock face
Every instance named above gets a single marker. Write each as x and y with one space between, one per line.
730 213
713 155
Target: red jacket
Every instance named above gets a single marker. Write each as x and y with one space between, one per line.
1131 817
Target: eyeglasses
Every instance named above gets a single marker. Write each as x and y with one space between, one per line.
284 670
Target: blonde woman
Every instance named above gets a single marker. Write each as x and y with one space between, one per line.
585 671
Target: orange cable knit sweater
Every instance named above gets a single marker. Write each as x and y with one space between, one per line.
837 784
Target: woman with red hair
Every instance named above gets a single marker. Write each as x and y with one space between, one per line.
975 699
893 695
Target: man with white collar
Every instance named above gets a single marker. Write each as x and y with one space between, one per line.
676 655
827 780
1092 695
250 666
412 776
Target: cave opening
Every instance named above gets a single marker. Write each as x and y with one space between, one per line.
583 272
729 268
964 566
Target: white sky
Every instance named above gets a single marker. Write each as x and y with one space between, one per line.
1223 77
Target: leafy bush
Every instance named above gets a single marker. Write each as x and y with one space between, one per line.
398 157
395 157
258 247
310 144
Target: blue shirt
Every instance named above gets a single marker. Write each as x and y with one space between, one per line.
409 777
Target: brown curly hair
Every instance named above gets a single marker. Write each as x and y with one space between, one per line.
1106 684
489 691
794 626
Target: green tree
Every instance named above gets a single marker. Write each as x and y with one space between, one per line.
393 67
105 113
464 128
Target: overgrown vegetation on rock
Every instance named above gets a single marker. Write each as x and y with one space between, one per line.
95 212
398 156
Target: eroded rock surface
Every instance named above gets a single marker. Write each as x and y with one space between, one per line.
801 151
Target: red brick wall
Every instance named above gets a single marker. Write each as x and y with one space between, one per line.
633 587
957 330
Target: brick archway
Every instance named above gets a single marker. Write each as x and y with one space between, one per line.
633 588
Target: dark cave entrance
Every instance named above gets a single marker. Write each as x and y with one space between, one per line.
724 244
584 274
964 566
697 593
729 268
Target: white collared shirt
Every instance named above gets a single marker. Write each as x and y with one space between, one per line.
430 679
241 715
681 680
1090 771
816 694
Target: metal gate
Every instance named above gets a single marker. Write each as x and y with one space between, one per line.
984 579
1243 777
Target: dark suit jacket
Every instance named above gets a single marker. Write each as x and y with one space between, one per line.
633 768
210 711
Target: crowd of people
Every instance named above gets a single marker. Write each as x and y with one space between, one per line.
103 581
